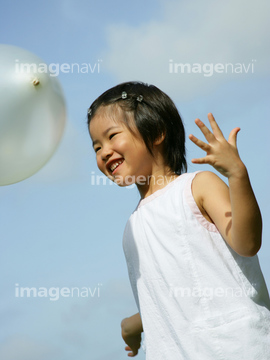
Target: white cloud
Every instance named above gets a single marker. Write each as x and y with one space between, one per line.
192 32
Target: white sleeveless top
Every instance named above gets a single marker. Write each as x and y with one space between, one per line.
198 298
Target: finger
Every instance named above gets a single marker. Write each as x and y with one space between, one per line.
204 160
199 143
214 126
132 353
233 136
204 129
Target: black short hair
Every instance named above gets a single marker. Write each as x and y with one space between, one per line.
155 114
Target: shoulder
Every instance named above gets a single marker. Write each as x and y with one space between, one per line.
209 192
205 178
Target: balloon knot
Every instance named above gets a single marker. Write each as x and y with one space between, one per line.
35 82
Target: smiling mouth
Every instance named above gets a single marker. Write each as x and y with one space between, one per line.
115 165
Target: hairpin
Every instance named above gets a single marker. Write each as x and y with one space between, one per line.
140 98
124 95
89 111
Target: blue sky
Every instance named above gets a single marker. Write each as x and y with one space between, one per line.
58 229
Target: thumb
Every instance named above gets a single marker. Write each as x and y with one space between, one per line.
233 136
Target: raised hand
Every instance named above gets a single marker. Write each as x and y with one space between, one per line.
220 153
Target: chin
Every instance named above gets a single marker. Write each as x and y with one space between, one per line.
124 181
131 186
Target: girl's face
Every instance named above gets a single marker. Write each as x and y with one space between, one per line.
121 155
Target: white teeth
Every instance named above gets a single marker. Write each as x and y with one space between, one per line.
114 166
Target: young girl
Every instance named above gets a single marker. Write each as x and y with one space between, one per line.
191 242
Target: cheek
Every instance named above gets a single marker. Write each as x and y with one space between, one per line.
119 144
100 164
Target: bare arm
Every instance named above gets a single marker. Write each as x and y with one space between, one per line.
234 210
131 333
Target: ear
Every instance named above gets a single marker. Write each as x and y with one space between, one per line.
160 139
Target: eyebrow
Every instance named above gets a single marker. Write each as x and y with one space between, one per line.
104 133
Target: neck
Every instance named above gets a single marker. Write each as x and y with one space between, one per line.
156 181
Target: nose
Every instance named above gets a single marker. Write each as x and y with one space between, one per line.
106 153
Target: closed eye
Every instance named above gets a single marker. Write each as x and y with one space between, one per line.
112 135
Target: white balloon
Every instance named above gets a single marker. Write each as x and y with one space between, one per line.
32 114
